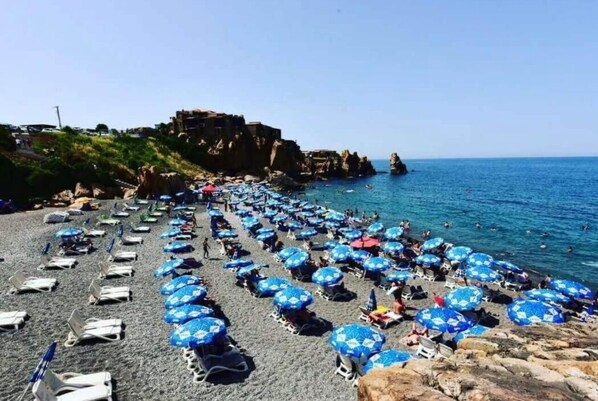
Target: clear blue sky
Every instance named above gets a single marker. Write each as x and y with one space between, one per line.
424 79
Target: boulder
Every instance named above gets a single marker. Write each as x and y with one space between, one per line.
64 197
282 182
397 167
82 191
152 182
129 193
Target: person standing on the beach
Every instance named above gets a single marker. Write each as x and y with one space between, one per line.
225 205
206 249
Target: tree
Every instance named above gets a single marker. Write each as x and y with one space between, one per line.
7 142
68 130
101 127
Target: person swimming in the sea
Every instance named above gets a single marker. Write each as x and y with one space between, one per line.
528 231
493 227
570 249
478 225
544 234
586 227
447 224
542 246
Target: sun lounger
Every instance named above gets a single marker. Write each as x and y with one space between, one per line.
119 214
93 233
21 283
333 292
383 320
122 256
140 229
345 367
126 240
420 271
92 322
430 275
92 393
298 327
107 221
147 220
426 348
451 283
11 323
79 332
108 293
76 249
65 382
291 235
155 214
20 314
444 351
130 208
56 262
415 292
230 361
108 270
140 201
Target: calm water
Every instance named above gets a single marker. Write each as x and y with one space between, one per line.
552 195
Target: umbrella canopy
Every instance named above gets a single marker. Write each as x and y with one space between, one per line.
165 198
327 276
377 264
293 298
458 253
372 304
546 295
227 234
183 314
287 252
198 332
250 221
177 283
572 289
186 295
246 270
375 228
341 253
178 247
432 243
265 236
173 232
315 221
525 312
168 267
365 242
269 213
215 213
480 259
296 260
386 359
482 273
393 247
235 263
428 259
335 216
464 298
509 266
279 218
352 235
68 232
271 285
40 370
264 230
360 255
177 222
330 244
398 276
357 341
310 232
393 233
474 331
443 319
242 212
293 225
209 189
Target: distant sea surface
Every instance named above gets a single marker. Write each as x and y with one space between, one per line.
545 195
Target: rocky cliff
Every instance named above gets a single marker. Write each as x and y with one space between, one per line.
396 165
523 364
328 163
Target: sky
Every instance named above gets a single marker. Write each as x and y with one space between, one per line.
429 79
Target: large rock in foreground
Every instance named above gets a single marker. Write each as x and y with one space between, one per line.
152 182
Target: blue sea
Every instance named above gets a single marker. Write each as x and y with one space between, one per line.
525 199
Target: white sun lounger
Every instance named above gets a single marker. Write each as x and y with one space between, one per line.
21 314
93 393
345 367
22 283
117 214
426 348
155 214
108 293
56 262
122 256
11 323
229 361
79 333
94 323
126 240
148 219
107 270
130 208
93 233
107 221
140 229
59 383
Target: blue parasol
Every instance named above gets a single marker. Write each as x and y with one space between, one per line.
458 253
393 233
428 260
377 264
482 273
341 253
327 276
480 259
360 255
464 298
546 295
386 359
398 276
173 232
68 232
271 285
287 252
357 341
432 243
182 314
186 295
236 263
393 247
528 311
178 247
375 228
509 266
474 331
168 267
293 298
372 304
177 283
227 234
443 319
198 332
572 289
296 260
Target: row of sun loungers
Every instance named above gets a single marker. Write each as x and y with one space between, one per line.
203 365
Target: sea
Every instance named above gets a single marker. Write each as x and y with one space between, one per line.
528 202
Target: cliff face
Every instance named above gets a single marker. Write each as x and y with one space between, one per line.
523 364
328 163
396 165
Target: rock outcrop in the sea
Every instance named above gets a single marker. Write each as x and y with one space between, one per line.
396 165
524 364
152 181
328 163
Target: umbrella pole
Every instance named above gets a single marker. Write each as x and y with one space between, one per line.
24 392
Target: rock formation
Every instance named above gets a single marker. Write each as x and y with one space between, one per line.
523 364
328 163
152 182
396 165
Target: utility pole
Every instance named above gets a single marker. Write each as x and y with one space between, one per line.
58 114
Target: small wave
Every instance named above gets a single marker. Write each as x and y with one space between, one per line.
591 263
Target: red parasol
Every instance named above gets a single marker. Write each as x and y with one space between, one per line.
365 242
209 189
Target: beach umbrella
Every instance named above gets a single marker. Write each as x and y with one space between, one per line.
572 289
377 264
375 228
443 319
310 232
68 232
365 242
279 218
509 266
265 236
269 213
120 230
475 331
546 295
327 276
428 259
293 298
186 295
227 234
332 225
372 304
246 270
296 260
357 341
182 314
173 232
393 247
287 252
335 217
393 233
236 263
464 298
458 253
480 259
264 230
198 332
432 243
40 370
165 198
168 267
293 225
340 253
209 189
528 311
360 255
314 221
215 213
250 222
308 206
482 273
271 285
386 359
177 283
177 222
352 235
306 215
242 212
178 247
330 244
398 276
